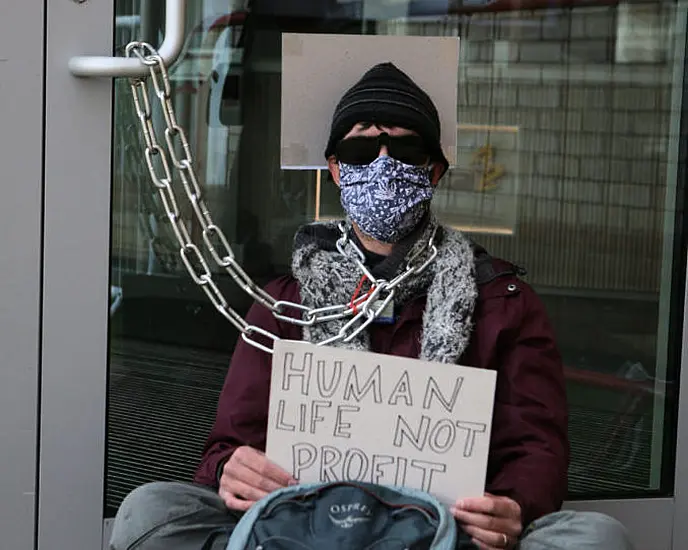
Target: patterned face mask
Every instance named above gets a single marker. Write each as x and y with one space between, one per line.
385 198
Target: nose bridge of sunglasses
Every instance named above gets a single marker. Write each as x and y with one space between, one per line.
383 144
384 139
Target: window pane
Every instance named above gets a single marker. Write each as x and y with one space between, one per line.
583 108
568 163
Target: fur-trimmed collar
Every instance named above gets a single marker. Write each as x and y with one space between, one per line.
326 277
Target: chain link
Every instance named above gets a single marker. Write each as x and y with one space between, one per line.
363 310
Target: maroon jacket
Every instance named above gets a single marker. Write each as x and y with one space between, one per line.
528 458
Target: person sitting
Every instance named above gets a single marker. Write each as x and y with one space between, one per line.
466 308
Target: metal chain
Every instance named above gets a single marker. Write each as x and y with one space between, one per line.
362 311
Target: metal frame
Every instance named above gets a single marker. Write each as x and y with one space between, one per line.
76 254
21 105
680 509
78 124
669 244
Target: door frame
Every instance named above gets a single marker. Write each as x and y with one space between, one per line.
74 324
76 261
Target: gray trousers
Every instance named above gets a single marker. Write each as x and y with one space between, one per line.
180 516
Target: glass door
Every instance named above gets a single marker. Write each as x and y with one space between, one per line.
579 109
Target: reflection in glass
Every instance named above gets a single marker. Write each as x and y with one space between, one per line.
568 124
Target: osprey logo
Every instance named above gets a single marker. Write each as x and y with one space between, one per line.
346 516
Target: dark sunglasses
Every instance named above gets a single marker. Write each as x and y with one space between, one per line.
409 149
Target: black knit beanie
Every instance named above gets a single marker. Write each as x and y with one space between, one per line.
386 95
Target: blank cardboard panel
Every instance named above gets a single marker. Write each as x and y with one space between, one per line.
317 69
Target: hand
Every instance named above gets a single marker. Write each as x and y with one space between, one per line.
493 522
248 476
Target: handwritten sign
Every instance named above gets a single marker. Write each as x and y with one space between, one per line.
349 415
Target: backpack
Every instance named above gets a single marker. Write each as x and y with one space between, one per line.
348 515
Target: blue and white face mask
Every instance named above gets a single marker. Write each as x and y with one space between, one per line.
386 198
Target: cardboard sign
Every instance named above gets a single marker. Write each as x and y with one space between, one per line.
317 69
347 415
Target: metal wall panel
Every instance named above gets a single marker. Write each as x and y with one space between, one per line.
21 136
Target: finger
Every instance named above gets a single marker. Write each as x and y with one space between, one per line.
508 526
495 506
240 505
484 521
234 503
488 538
482 505
244 490
254 479
260 464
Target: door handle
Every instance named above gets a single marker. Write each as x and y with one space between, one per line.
169 50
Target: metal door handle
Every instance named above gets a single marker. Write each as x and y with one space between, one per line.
171 47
